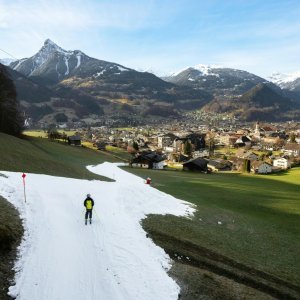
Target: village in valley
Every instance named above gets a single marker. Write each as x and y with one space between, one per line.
206 144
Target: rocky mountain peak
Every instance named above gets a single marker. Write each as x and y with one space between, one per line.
50 46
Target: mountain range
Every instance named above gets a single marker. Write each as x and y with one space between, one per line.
56 81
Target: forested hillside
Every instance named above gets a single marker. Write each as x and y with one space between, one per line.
10 118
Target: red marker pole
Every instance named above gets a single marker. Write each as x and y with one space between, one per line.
23 176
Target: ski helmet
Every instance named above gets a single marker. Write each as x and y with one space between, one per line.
88 195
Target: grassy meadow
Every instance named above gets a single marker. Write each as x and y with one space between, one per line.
250 219
36 155
43 134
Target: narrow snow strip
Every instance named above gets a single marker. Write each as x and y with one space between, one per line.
19 63
78 61
67 65
61 258
122 69
100 73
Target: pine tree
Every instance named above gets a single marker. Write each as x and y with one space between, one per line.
188 148
135 146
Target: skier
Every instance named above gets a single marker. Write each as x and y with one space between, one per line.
89 204
148 180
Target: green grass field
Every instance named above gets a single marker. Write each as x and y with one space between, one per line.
118 152
43 134
36 155
259 215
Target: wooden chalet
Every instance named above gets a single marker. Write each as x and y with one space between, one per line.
74 140
149 160
196 164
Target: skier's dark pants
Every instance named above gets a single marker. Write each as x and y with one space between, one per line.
88 213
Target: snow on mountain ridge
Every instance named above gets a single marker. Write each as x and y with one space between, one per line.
7 61
42 56
50 46
204 69
282 78
58 63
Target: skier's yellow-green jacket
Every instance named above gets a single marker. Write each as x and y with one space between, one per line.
88 203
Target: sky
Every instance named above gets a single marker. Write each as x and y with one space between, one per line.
162 36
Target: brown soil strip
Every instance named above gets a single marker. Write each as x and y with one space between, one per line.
193 255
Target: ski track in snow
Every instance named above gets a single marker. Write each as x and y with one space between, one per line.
60 258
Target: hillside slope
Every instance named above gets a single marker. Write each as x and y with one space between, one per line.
110 259
37 155
217 80
259 103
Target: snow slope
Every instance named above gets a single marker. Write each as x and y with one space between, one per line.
61 258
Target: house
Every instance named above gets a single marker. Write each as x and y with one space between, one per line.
228 139
268 130
101 146
250 155
159 165
241 153
261 167
178 144
216 165
165 140
291 150
74 140
203 153
196 164
178 157
242 141
149 160
282 163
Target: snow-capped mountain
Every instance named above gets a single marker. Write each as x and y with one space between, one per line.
53 64
6 61
204 70
289 81
87 85
216 79
84 86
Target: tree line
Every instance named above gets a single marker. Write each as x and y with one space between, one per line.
11 121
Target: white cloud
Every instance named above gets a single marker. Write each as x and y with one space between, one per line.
79 15
142 34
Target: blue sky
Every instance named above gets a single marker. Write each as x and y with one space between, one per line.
160 35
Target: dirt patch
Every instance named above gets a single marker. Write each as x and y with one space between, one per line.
205 274
197 283
11 232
